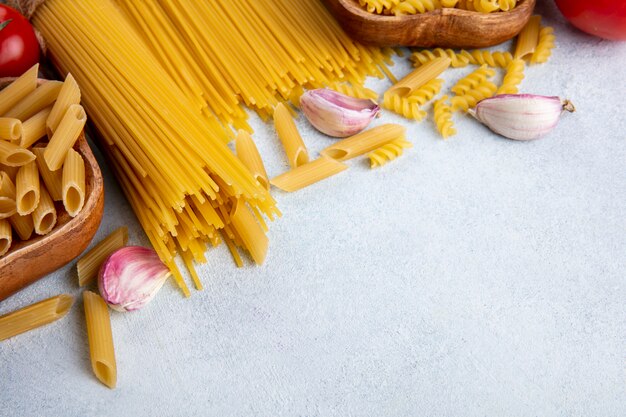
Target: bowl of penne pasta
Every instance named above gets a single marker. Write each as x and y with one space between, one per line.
427 23
51 187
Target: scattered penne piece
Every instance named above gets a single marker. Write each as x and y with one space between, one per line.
528 38
309 173
90 262
249 230
420 76
249 155
288 134
34 316
364 142
101 351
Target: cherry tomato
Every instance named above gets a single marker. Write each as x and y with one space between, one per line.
19 49
603 18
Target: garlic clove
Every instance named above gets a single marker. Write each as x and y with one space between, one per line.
130 277
521 116
336 114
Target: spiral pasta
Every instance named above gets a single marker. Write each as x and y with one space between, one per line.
388 152
544 46
426 55
407 7
415 6
426 92
493 59
468 100
513 77
472 80
403 107
442 114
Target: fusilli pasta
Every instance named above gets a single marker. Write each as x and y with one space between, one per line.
426 92
544 46
443 117
513 77
472 80
468 100
493 59
426 55
388 152
403 107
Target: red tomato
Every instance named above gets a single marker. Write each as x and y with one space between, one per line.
19 49
603 18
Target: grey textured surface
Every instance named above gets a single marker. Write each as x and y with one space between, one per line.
471 277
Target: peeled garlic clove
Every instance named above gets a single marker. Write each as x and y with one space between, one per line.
131 277
521 116
336 114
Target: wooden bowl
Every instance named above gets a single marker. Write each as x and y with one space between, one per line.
30 260
445 28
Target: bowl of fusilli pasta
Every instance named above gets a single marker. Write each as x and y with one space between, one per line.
432 23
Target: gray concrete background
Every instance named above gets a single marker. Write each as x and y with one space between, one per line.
471 277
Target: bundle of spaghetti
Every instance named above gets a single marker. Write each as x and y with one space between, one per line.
227 52
171 161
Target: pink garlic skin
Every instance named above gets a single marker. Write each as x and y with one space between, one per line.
336 114
131 277
520 116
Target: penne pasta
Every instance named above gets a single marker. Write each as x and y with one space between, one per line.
69 94
14 155
18 89
27 190
101 351
52 179
6 236
34 128
10 129
10 171
65 136
364 142
288 134
90 263
8 207
23 225
36 101
307 174
34 316
528 38
45 215
249 155
73 183
249 231
420 76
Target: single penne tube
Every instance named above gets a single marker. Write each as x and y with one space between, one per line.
65 136
73 183
23 225
528 38
14 155
101 351
8 207
10 129
420 76
249 231
18 89
69 94
6 236
45 215
34 128
249 155
89 265
34 315
364 142
288 134
10 171
27 189
307 174
53 180
36 101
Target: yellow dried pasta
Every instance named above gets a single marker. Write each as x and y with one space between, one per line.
427 55
34 315
545 44
468 100
513 77
443 117
495 59
388 152
472 80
